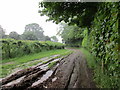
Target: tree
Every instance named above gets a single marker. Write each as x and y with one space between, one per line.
36 30
71 35
54 39
81 14
47 38
14 35
2 32
29 35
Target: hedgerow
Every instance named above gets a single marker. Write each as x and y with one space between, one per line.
103 44
13 48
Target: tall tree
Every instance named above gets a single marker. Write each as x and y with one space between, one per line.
36 30
70 34
29 36
80 13
2 32
14 35
54 39
47 38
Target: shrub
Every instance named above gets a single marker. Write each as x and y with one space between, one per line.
12 48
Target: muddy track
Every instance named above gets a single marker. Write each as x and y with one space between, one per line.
68 72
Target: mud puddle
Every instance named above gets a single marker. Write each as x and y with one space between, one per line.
38 75
15 81
45 66
54 79
48 74
46 61
43 78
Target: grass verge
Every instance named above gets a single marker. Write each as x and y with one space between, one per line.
102 79
8 65
89 58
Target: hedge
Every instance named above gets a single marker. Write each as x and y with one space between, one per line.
13 48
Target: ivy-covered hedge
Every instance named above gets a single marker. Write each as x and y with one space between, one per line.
13 48
103 44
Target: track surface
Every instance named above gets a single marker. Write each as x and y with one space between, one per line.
69 72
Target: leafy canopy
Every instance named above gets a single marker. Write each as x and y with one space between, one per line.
78 13
71 33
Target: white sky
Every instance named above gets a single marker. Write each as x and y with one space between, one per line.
15 14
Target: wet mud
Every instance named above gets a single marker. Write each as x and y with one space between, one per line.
69 72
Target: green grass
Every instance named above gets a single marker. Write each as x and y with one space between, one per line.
89 58
19 62
27 58
102 79
51 64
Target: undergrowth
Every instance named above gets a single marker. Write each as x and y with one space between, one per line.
102 79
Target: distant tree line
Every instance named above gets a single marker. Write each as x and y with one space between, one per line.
32 32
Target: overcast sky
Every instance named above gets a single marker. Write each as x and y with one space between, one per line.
15 14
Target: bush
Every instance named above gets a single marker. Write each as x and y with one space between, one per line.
103 44
13 48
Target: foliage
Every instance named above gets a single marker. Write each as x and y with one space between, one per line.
54 39
47 38
29 35
78 13
2 32
72 35
103 43
14 35
85 39
101 21
12 48
33 32
102 80
89 57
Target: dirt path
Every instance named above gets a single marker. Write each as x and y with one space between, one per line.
70 72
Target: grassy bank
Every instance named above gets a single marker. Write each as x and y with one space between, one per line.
89 58
103 80
7 65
